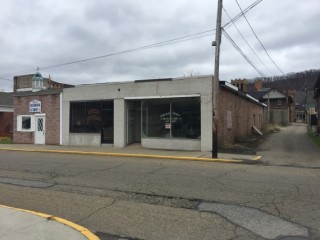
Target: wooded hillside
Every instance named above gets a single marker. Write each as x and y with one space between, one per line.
298 81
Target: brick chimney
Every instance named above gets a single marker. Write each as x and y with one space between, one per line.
258 85
242 84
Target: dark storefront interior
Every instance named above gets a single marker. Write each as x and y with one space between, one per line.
93 117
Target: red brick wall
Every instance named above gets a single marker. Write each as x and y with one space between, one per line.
50 105
6 121
243 112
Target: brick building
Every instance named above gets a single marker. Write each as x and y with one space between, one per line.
40 124
238 113
26 83
6 114
37 110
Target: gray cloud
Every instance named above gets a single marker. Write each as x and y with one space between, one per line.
44 33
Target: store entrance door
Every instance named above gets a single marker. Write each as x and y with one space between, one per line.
107 126
133 122
39 133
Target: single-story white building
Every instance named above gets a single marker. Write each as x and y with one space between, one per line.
162 113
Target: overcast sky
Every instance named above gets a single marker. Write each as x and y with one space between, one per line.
37 33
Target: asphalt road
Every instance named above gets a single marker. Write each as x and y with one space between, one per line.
163 199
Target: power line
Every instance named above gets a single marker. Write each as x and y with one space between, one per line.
240 14
243 14
163 43
241 52
247 41
132 50
159 44
5 79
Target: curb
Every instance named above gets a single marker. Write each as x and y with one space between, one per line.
220 160
84 231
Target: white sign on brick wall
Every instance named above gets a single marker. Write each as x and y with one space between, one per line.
35 106
229 119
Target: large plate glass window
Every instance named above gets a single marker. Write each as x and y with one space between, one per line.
171 118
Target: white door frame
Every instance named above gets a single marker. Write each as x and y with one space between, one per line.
40 136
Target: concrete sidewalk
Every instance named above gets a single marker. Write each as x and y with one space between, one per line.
135 151
28 225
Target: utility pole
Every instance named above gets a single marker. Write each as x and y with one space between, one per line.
215 83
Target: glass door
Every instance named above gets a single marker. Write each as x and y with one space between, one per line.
107 126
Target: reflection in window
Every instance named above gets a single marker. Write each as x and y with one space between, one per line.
171 118
77 117
185 117
26 123
93 117
156 118
85 117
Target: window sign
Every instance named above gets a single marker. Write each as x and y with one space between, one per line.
175 117
35 106
171 118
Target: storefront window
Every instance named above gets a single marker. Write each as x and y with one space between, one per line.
186 118
86 117
93 117
77 117
156 118
171 118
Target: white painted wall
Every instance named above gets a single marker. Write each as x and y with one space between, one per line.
120 90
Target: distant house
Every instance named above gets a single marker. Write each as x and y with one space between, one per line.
6 114
305 106
281 107
317 98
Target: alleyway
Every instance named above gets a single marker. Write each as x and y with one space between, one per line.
290 147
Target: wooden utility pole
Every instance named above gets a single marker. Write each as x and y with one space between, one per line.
215 83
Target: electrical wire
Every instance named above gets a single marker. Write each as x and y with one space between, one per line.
247 42
163 43
159 44
243 14
5 79
128 51
240 14
241 52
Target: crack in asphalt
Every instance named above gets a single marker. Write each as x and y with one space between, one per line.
197 205
149 198
94 212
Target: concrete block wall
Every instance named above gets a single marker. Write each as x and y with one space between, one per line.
50 106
